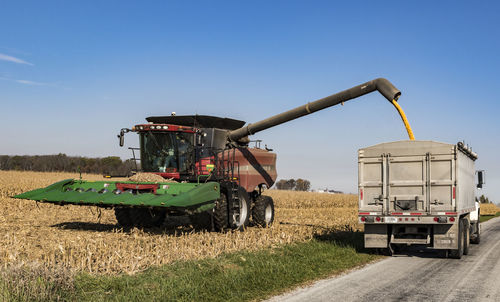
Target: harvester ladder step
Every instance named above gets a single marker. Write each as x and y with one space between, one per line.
236 198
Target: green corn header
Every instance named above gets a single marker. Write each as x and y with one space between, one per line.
192 196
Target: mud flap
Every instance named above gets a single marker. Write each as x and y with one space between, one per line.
376 236
445 236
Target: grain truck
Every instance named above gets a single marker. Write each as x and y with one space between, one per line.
419 193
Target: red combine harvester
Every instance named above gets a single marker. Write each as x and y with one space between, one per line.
209 158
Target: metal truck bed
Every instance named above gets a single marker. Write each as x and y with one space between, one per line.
417 192
415 177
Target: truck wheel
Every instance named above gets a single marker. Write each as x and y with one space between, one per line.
466 229
241 217
263 211
477 236
457 254
220 213
123 217
147 218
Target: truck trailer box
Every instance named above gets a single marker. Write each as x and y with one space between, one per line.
416 192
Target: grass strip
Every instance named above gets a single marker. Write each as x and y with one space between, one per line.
484 218
240 276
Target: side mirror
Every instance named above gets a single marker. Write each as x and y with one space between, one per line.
121 136
480 178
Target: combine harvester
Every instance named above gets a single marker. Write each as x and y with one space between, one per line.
207 165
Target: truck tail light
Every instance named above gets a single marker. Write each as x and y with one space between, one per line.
363 219
452 219
377 218
441 219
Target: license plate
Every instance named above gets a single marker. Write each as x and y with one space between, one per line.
391 219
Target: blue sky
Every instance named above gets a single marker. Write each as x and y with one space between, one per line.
73 73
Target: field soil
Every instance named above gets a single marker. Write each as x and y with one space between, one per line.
87 239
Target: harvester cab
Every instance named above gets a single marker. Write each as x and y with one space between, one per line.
166 149
204 165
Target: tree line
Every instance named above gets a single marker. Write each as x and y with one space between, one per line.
293 184
112 165
483 199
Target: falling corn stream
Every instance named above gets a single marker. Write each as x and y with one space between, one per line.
405 120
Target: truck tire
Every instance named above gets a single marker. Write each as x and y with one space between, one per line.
123 217
457 254
466 229
240 219
263 211
476 239
148 218
220 213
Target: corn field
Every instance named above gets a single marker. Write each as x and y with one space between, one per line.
80 238
489 209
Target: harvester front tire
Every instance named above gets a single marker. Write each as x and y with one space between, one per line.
123 217
201 220
263 211
148 218
220 214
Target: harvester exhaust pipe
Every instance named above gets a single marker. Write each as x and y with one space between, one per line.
382 85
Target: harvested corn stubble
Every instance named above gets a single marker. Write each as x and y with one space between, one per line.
80 239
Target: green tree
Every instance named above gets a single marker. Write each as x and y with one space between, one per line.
483 199
302 185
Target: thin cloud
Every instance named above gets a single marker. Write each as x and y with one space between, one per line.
7 58
27 82
33 83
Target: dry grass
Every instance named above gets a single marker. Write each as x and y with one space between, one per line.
76 239
489 209
34 282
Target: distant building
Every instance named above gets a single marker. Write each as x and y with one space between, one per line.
329 191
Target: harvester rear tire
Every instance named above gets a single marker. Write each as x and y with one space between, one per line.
221 213
263 211
123 217
148 218
239 221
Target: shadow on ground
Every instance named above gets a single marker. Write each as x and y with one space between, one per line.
355 239
174 225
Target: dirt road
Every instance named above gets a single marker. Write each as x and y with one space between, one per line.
418 276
